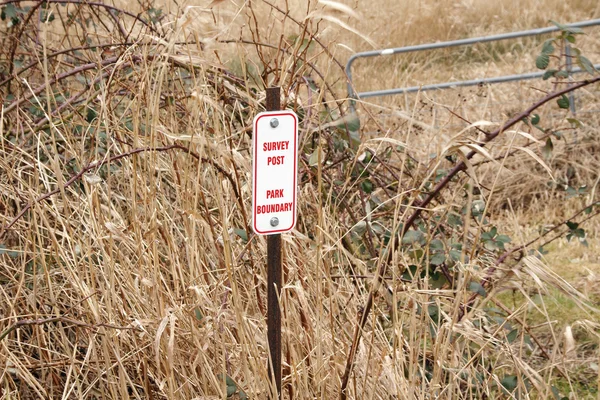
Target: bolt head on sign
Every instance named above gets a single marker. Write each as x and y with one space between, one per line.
274 172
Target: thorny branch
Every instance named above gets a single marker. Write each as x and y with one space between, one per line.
60 77
389 253
61 318
43 321
100 163
108 7
487 280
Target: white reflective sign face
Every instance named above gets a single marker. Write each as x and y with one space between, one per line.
274 172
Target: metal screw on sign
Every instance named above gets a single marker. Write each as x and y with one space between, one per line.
274 122
274 221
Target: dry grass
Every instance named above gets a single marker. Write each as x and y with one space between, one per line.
129 269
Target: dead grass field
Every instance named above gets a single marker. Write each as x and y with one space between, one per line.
128 268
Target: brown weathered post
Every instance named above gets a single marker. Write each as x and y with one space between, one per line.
274 279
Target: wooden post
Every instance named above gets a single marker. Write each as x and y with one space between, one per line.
274 280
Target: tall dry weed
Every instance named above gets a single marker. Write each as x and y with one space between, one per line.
128 266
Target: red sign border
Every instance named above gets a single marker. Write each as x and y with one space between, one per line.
254 168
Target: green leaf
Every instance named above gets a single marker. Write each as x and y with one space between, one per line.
547 47
367 186
477 288
563 102
579 233
360 228
549 74
198 314
575 122
535 119
313 160
562 74
436 244
527 341
10 11
559 25
586 64
572 225
547 149
568 29
556 393
349 122
491 245
434 312
354 123
232 387
503 239
231 390
490 234
437 280
154 14
509 383
306 43
410 273
440 174
454 220
437 259
354 137
455 255
241 233
311 84
542 61
412 237
35 110
589 209
477 207
366 157
46 16
512 335
8 252
91 115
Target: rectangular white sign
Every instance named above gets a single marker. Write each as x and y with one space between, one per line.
274 172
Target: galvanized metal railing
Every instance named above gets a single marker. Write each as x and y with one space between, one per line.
353 95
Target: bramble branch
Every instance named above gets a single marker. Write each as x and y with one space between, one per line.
100 163
44 321
107 7
392 247
487 280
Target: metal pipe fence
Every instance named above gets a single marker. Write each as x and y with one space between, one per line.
354 95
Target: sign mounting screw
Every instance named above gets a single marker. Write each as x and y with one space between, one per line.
274 123
274 221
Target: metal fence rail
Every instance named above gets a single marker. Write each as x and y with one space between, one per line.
352 94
